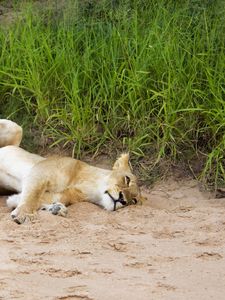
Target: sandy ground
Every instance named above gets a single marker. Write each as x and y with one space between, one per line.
171 247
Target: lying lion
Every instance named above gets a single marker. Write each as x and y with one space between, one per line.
54 183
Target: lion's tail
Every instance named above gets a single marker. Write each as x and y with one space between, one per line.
10 133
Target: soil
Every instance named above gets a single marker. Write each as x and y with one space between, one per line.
171 247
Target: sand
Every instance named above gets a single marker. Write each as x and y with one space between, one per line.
171 247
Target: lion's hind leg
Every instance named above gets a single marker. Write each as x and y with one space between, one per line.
13 201
10 133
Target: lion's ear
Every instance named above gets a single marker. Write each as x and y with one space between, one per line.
122 163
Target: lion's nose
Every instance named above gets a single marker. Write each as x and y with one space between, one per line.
121 199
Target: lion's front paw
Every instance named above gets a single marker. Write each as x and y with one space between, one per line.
56 209
21 215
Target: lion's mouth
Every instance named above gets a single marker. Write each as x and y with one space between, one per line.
115 201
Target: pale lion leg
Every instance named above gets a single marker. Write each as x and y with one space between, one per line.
13 201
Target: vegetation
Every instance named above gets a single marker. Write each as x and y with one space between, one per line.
147 76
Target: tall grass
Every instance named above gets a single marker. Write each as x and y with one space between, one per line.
147 76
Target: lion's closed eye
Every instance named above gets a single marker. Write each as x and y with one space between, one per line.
127 180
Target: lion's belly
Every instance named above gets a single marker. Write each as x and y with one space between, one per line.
15 165
9 184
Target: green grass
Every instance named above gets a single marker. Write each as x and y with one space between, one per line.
147 76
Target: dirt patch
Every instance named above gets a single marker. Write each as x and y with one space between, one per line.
171 247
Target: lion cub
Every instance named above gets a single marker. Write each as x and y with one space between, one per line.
54 183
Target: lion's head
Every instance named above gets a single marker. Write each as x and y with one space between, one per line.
123 188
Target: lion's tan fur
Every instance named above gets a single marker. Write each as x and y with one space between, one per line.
42 181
